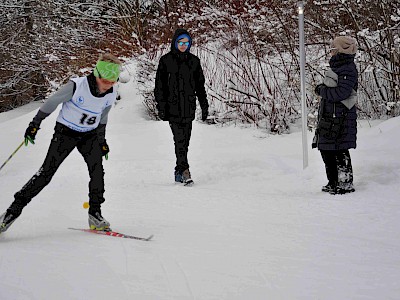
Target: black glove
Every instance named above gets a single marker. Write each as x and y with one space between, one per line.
318 89
161 115
204 114
30 133
104 149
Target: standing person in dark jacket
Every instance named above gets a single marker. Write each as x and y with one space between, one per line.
81 123
337 127
179 81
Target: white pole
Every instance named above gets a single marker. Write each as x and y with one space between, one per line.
300 6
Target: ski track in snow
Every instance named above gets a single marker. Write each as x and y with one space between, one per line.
178 281
255 225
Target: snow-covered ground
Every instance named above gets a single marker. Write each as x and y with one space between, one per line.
254 226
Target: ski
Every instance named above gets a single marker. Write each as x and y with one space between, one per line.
114 234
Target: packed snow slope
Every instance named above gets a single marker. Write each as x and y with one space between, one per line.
254 226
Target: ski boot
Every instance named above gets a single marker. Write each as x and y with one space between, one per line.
11 214
7 219
96 220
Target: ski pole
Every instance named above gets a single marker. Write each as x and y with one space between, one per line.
12 155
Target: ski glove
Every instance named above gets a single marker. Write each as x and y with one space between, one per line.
318 89
104 149
204 114
30 133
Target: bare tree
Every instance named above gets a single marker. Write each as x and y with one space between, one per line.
376 26
42 43
250 53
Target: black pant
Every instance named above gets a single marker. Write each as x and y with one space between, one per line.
63 142
339 170
181 133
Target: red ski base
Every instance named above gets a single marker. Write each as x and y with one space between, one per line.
114 234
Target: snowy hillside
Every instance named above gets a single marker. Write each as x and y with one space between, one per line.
254 226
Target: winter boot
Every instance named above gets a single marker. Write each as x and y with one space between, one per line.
340 190
186 178
329 188
7 219
178 176
96 220
345 174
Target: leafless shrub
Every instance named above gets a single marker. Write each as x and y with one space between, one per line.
43 43
376 26
249 53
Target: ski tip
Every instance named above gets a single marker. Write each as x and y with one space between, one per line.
150 237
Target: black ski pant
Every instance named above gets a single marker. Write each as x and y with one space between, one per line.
339 170
181 133
63 142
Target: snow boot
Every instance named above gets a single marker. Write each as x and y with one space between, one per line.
186 178
329 188
178 176
342 191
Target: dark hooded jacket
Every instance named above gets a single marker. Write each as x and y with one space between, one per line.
346 119
179 81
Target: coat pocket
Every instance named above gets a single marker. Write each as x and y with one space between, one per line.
330 127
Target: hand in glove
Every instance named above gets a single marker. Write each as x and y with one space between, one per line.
318 89
104 149
161 115
204 114
30 133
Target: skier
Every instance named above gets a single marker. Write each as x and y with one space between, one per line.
179 80
337 126
81 123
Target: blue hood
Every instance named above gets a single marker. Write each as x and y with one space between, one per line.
180 33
